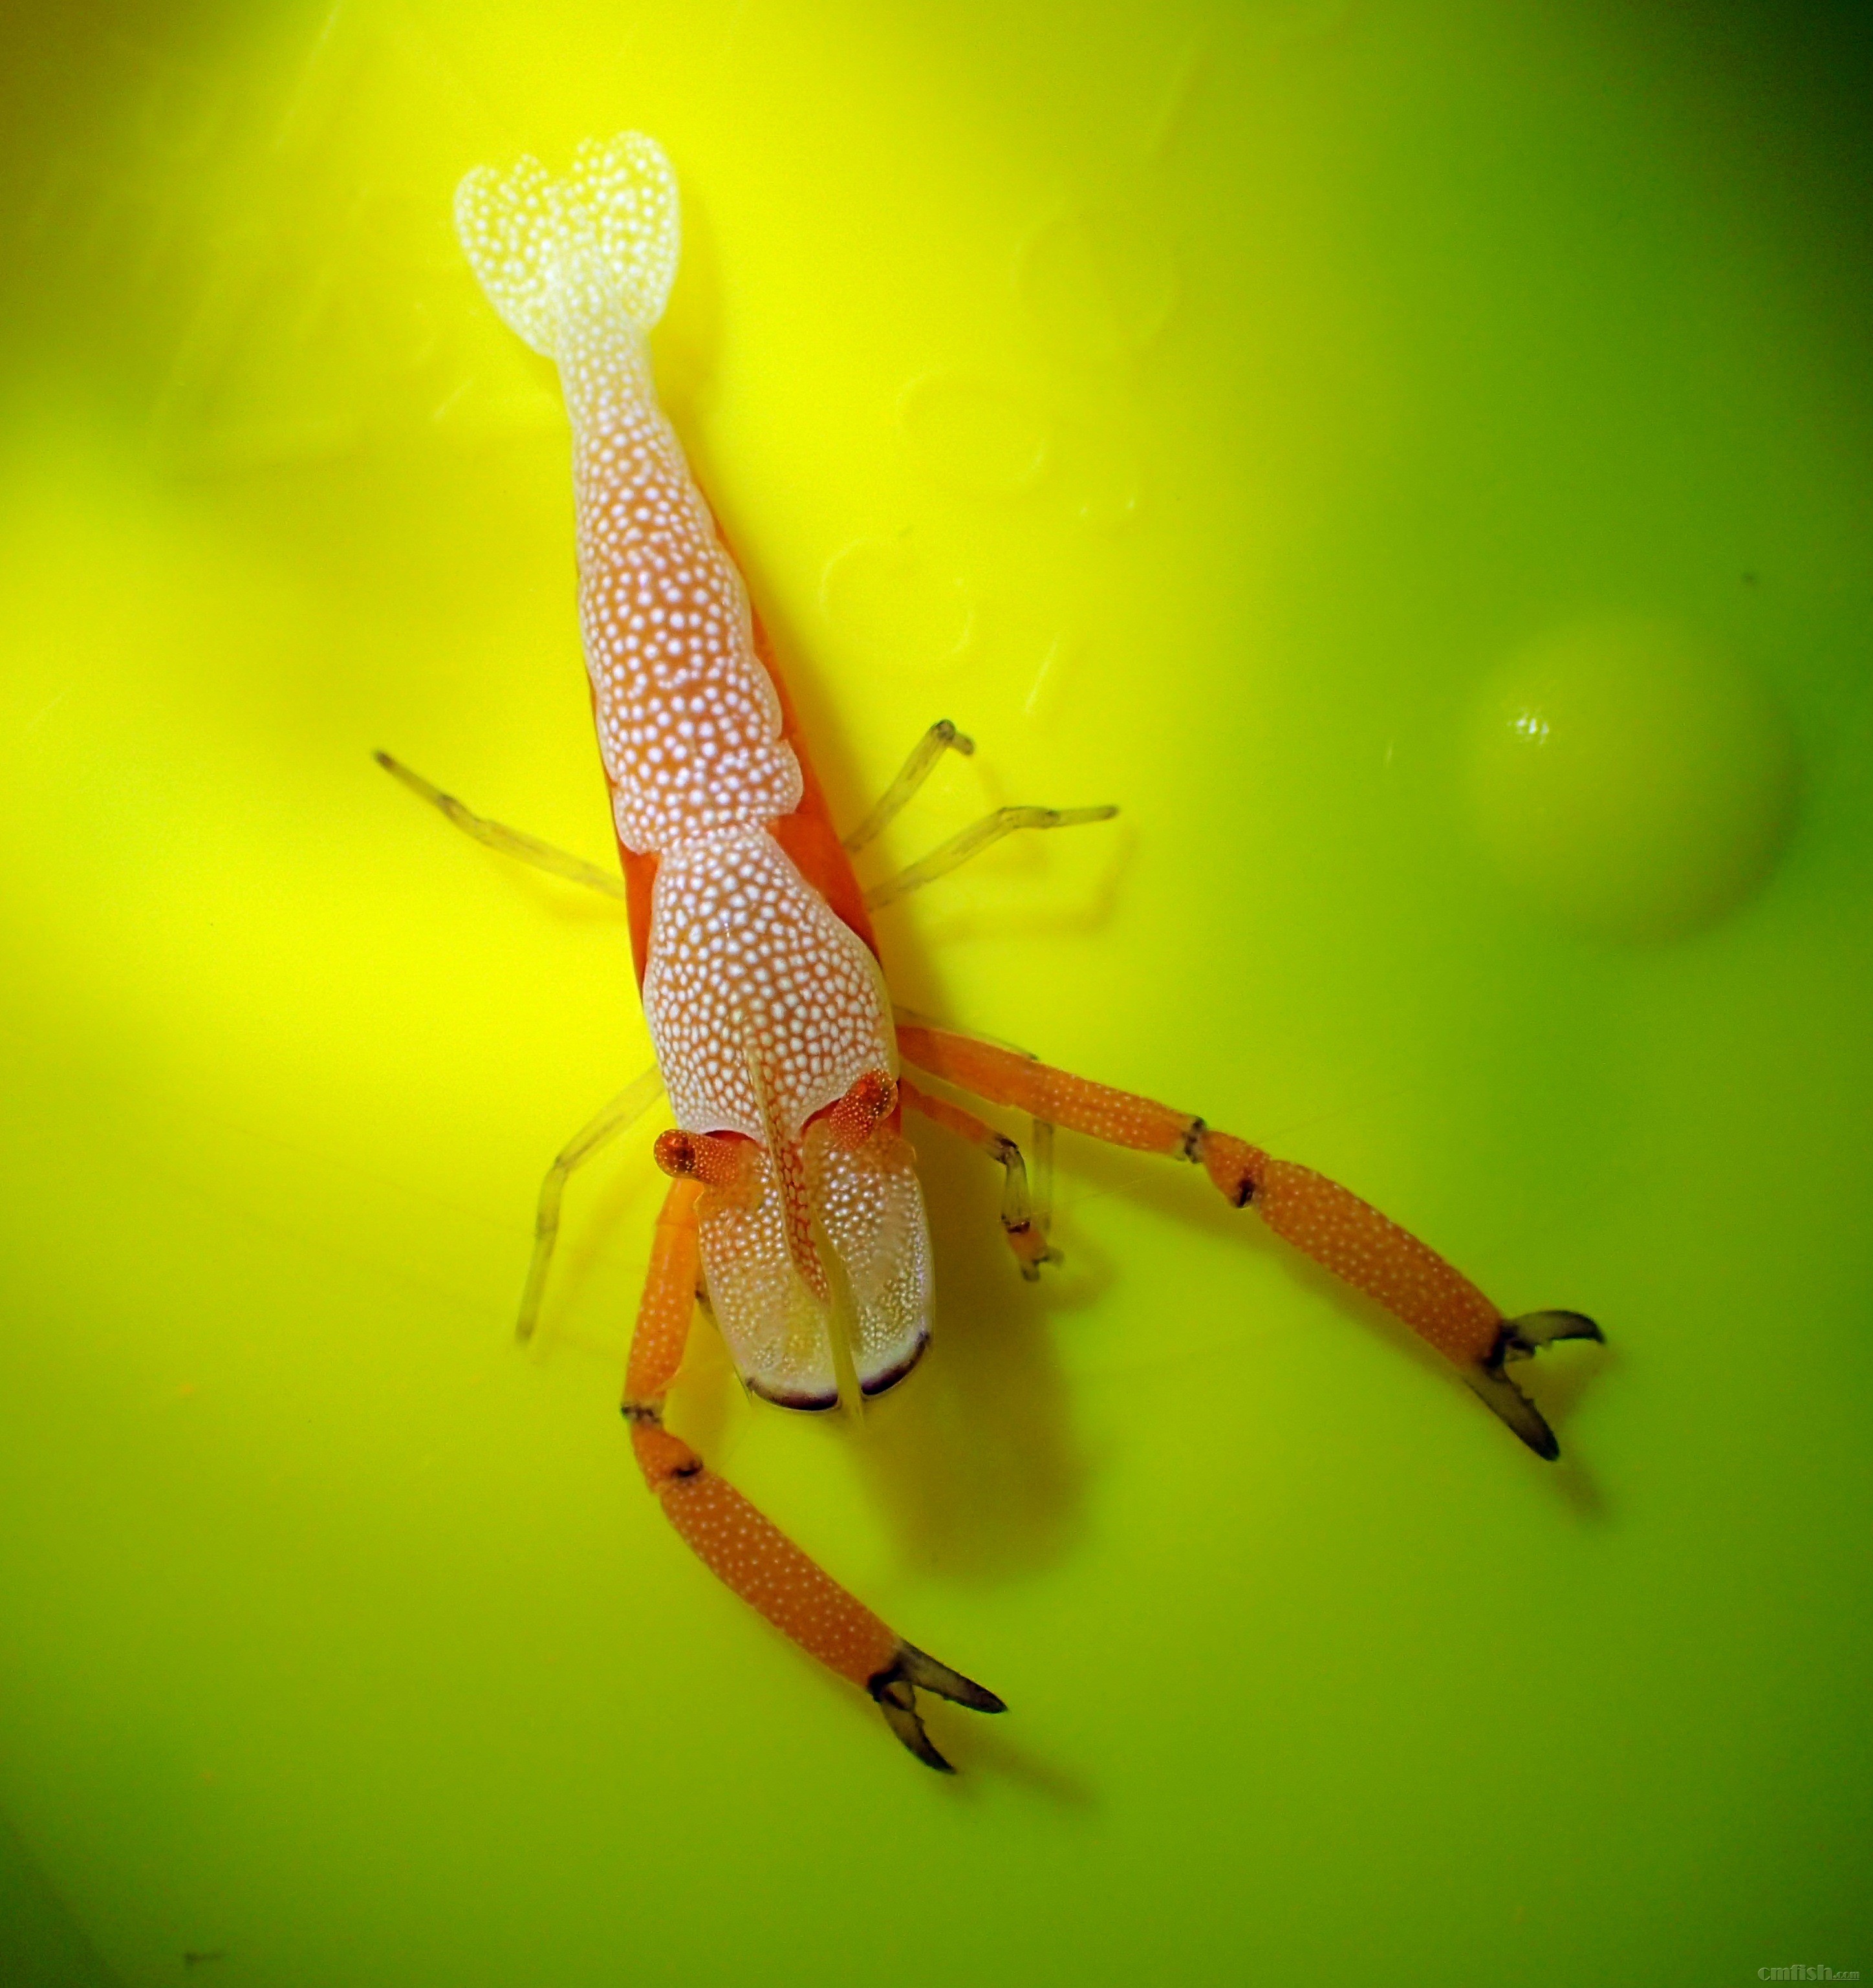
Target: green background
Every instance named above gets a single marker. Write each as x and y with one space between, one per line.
1415 458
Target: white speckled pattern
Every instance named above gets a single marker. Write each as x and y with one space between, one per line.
763 1005
689 724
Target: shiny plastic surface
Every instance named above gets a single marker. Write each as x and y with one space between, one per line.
1236 412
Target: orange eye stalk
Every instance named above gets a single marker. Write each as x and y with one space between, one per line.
725 1162
853 1120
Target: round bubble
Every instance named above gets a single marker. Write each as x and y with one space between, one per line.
1631 778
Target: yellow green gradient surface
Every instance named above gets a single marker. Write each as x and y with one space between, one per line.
1415 458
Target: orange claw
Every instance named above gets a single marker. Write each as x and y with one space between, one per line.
1119 1117
669 1297
1371 1252
749 1553
743 1548
1321 1219
1363 1248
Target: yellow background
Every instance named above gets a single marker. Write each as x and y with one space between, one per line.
1231 411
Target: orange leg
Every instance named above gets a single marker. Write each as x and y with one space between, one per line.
1026 1231
745 1550
1323 1220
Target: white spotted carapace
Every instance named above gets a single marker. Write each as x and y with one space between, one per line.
766 1005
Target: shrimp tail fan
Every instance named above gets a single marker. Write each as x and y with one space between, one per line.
552 253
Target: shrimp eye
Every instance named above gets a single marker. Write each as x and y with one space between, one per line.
853 1120
724 1163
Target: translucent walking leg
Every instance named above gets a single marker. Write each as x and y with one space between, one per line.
509 841
1023 1222
619 1116
973 841
942 737
1041 1146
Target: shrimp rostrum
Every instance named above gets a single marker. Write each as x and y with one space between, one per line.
793 1203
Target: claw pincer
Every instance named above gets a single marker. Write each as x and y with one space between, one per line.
1318 1217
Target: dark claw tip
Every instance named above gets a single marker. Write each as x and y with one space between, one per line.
923 1670
898 1703
1508 1400
1534 1330
1520 1339
895 1689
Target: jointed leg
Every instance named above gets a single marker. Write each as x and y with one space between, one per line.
1041 1180
747 1552
942 737
1024 1227
509 841
619 1116
973 841
1318 1217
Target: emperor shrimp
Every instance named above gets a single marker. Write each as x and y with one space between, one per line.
774 1035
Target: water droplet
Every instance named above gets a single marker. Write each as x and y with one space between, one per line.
1631 778
973 438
